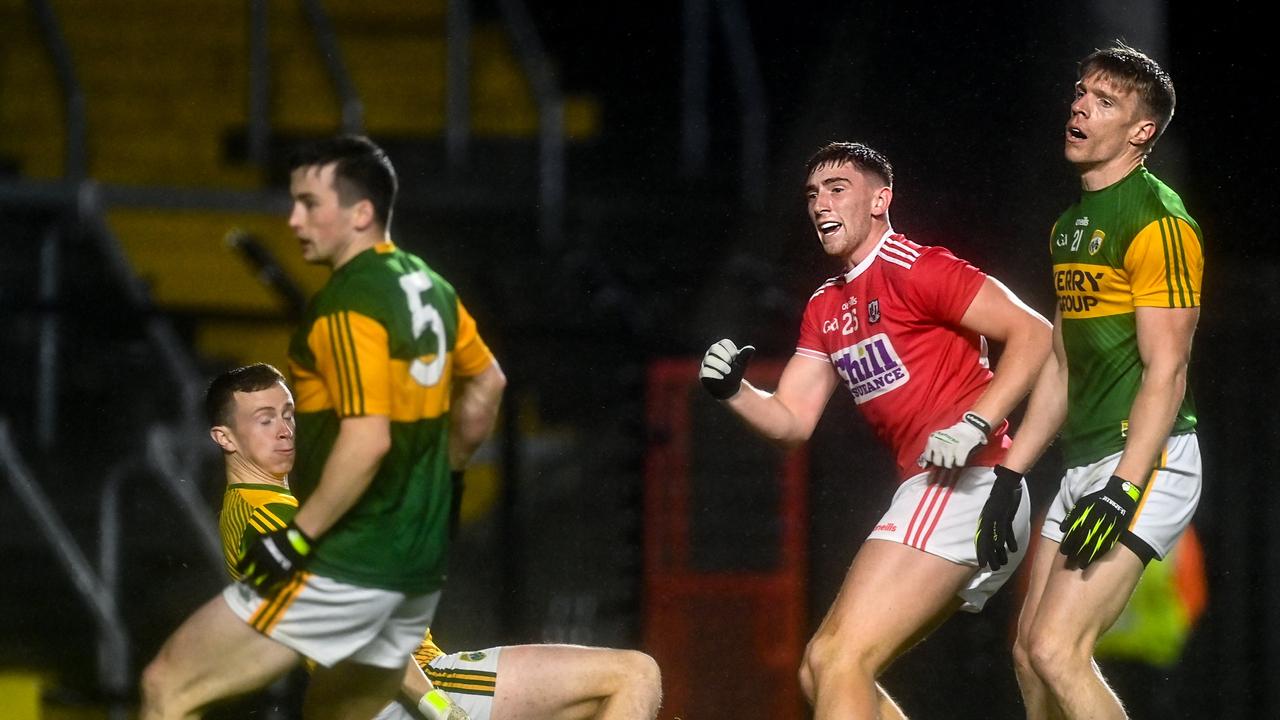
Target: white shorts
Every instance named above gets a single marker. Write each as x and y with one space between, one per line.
469 678
1168 500
330 621
941 518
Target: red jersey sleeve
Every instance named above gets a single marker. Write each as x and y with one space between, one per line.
944 285
810 343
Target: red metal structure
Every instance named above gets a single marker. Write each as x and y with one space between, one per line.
726 553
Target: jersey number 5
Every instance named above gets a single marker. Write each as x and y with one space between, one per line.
424 316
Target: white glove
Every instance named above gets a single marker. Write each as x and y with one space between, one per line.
436 705
951 447
722 368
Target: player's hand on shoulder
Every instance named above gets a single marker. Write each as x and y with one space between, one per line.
722 368
995 523
1096 522
950 447
269 560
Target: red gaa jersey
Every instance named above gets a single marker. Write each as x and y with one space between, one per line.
890 328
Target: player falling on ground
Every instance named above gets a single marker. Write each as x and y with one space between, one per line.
1127 265
902 327
395 389
552 682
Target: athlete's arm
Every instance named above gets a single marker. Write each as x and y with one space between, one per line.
1046 410
998 314
415 683
788 416
357 453
1164 343
475 409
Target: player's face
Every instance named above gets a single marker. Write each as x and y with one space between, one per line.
842 201
263 428
1105 118
322 225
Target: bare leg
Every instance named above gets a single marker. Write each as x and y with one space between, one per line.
569 682
1074 610
212 656
1036 698
350 691
891 598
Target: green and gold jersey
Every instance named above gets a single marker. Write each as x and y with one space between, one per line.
1128 245
252 509
385 336
249 510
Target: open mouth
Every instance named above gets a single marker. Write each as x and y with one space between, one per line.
827 228
1076 133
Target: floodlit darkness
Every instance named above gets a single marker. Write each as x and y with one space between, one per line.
657 261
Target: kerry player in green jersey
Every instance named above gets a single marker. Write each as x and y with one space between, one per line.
395 390
1127 264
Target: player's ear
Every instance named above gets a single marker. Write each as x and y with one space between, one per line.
1143 133
880 201
362 215
222 435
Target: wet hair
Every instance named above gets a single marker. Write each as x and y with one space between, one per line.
220 400
865 158
1132 70
362 171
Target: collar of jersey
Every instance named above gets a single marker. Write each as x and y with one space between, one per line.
861 267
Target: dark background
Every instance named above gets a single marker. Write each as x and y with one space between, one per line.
968 103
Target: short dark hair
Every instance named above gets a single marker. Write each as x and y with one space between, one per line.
362 172
863 157
219 399
1132 70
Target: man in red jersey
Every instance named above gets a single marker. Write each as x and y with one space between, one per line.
904 328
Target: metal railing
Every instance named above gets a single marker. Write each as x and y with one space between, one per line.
551 132
331 53
101 597
457 102
748 83
258 139
75 156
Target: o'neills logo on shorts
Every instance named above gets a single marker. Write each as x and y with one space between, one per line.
887 527
871 368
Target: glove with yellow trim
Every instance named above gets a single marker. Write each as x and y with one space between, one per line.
270 560
995 524
1094 525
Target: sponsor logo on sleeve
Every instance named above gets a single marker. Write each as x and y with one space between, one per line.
870 368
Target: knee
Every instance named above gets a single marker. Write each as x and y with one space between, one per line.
1053 656
644 671
641 672
806 679
827 658
1022 654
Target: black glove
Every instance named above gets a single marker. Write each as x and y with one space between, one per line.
455 501
995 524
1094 525
722 368
270 560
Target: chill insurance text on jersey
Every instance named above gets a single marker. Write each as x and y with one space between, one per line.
890 327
